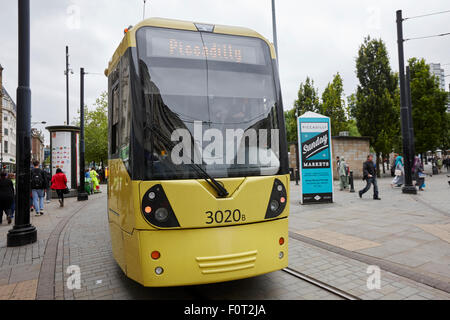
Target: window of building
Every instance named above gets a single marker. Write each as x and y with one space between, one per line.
5 149
6 131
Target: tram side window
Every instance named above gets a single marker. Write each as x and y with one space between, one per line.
115 121
125 110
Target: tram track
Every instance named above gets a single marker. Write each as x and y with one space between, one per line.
338 292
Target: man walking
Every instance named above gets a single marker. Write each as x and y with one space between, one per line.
370 175
38 185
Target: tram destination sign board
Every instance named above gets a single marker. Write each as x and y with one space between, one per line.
314 132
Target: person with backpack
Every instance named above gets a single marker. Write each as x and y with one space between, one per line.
59 184
38 185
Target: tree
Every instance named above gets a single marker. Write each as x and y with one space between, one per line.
376 109
428 107
333 105
308 98
291 125
96 130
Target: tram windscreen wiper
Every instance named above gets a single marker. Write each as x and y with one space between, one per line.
221 191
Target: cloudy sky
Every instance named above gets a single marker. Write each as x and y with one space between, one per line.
316 38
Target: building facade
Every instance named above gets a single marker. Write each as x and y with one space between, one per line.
8 111
37 145
436 70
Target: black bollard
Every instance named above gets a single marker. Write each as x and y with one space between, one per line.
297 176
352 187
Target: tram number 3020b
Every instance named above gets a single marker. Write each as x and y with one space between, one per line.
226 216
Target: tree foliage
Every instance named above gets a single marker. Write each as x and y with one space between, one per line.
376 108
291 125
308 98
96 130
333 105
428 107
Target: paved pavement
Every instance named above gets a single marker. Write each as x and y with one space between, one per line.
404 235
411 231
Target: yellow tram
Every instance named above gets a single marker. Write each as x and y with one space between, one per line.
198 184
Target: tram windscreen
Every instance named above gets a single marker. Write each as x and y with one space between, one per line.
213 96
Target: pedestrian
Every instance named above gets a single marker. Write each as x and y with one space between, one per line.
94 178
6 197
343 174
107 171
38 185
447 163
370 175
338 163
59 184
439 164
48 191
399 172
418 173
12 177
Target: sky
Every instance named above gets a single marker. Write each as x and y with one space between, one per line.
315 38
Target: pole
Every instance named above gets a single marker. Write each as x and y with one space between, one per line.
143 18
82 194
67 84
352 184
408 188
410 118
274 25
23 232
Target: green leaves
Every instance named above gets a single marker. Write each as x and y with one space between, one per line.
375 105
333 105
428 107
308 98
96 130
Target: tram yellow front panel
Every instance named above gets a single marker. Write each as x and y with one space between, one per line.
197 256
195 203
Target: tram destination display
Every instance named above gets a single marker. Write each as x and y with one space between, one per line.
213 48
315 158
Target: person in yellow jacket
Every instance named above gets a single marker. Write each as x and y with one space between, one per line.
95 183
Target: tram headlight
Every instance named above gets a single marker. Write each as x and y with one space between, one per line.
159 271
278 200
274 205
157 210
161 214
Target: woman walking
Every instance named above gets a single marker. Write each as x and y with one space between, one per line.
399 172
6 197
419 174
59 183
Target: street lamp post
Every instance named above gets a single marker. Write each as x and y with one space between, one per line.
23 232
66 72
82 194
274 26
404 113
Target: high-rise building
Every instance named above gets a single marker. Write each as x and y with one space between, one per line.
435 69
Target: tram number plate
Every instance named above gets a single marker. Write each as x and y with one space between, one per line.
226 216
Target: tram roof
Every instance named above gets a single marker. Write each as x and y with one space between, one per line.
129 39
